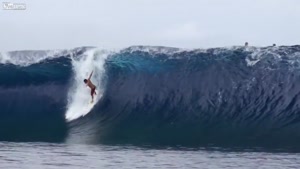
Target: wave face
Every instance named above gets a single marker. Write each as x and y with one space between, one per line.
153 95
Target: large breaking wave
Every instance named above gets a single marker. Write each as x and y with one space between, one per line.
153 95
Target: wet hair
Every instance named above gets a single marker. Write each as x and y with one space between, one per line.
85 81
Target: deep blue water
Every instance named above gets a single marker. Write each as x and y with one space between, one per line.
158 96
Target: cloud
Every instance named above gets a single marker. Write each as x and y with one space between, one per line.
54 24
186 31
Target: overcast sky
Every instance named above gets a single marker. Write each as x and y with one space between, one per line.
60 24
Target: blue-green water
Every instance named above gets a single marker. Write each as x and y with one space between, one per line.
51 155
231 107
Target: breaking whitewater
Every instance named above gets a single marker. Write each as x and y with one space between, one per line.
153 95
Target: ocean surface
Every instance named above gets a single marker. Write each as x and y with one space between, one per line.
53 155
156 107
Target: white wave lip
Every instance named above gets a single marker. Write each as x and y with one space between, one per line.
26 58
79 94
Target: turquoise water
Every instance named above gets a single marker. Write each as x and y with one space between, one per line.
213 100
51 155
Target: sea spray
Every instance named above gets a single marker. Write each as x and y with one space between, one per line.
79 94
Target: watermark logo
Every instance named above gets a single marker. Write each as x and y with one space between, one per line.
14 6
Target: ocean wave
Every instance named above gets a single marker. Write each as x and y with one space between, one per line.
162 95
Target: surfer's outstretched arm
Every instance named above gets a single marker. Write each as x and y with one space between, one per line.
90 75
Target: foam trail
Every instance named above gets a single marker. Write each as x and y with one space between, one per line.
79 94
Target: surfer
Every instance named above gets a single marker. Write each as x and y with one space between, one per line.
89 83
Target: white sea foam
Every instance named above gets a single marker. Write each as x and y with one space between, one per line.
26 58
79 94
